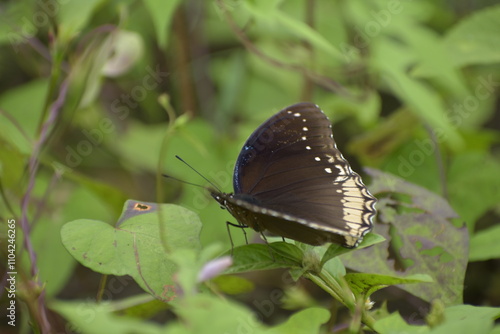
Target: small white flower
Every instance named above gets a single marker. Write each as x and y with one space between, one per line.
214 267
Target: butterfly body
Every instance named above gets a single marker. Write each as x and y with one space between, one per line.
291 180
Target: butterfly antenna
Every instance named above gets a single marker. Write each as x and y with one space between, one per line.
204 178
182 181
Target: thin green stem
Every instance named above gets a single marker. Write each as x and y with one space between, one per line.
123 304
341 286
339 289
102 285
367 319
322 284
163 100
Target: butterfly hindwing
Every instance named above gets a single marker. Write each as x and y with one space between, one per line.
291 179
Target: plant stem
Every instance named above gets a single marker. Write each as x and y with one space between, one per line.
322 284
340 290
102 286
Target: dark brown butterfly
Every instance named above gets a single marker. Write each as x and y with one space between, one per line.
291 180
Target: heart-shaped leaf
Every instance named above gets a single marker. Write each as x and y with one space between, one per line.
139 244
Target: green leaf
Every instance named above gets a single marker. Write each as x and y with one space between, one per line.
190 140
335 268
202 313
414 159
272 14
304 322
465 319
421 240
463 175
395 324
230 75
191 266
484 244
134 247
162 13
107 195
366 110
460 319
86 317
475 39
139 306
432 58
19 127
391 132
366 284
12 164
232 284
263 257
466 326
336 250
197 316
12 33
297 297
73 16
417 95
131 144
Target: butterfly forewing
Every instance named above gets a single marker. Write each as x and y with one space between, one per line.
291 174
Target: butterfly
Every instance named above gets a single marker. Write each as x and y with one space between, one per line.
291 180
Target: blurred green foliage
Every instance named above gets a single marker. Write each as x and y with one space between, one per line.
97 98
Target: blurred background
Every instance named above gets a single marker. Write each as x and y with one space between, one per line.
97 97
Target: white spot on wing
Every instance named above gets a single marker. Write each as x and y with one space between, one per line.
328 170
304 138
317 158
305 128
308 147
342 170
297 114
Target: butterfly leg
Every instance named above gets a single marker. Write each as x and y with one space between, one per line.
245 234
268 246
243 227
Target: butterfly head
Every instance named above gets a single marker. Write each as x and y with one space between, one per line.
220 197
